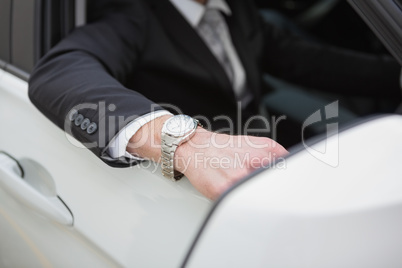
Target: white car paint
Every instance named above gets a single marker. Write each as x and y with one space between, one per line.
313 215
306 215
130 217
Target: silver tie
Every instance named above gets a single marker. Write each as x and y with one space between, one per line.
215 33
211 28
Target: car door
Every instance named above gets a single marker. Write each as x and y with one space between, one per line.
306 212
59 205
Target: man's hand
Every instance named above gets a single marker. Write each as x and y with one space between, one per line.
212 162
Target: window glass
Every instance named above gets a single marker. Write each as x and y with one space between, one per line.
22 38
36 26
5 10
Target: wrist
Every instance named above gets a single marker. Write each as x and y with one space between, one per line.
146 142
185 153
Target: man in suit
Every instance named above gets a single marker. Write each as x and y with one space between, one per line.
204 57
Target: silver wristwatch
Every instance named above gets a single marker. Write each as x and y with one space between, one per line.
176 130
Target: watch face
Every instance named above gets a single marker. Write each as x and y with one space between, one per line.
179 125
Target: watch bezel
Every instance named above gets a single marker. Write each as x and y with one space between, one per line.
183 134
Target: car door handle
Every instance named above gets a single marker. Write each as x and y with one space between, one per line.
29 183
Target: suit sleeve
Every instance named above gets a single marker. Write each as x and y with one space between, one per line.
328 68
84 75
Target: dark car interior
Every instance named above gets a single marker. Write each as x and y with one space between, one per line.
330 21
389 30
337 23
333 22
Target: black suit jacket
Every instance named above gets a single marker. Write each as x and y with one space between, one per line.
136 53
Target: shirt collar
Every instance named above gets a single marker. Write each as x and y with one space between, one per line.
194 11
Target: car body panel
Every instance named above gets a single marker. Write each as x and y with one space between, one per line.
311 214
34 241
125 212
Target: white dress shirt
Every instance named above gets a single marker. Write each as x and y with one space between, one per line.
193 12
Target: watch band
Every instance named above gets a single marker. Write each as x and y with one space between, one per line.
168 151
169 144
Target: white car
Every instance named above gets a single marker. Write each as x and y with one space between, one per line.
334 202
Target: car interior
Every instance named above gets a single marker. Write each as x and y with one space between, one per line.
334 23
328 21
383 17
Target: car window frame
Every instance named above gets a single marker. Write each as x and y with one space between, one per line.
35 26
5 21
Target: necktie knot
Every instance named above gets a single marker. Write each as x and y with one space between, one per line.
213 17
